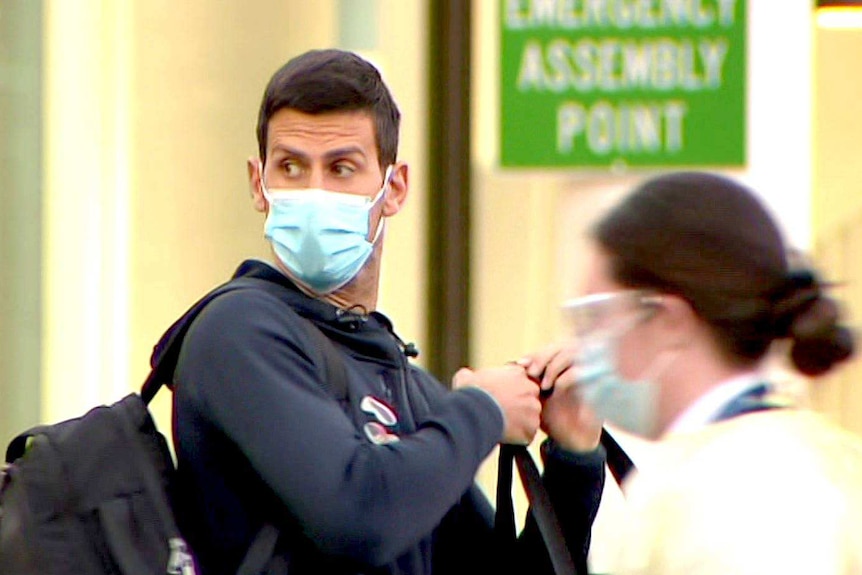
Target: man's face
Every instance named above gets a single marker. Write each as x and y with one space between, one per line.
335 151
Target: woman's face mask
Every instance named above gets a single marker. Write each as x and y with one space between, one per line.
599 322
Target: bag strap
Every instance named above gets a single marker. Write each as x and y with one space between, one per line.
540 507
260 551
619 463
164 362
618 460
167 353
335 381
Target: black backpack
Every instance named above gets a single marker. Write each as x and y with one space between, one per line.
92 495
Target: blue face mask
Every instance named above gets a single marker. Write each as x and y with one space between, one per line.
629 405
322 237
599 321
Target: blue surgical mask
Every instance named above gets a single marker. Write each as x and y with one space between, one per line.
629 405
322 237
599 321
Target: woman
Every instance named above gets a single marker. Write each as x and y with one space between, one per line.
690 289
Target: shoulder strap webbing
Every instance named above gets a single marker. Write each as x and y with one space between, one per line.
167 353
335 381
260 551
618 460
540 508
336 371
165 360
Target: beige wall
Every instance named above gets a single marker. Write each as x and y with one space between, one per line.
150 110
150 116
529 224
837 207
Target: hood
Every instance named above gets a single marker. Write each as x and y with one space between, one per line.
364 336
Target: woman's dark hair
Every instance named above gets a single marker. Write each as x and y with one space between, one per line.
709 240
321 81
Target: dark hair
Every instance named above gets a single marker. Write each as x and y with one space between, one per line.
321 81
708 239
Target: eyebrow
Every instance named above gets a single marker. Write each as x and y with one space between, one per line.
330 155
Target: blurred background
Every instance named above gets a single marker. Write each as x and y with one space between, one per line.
125 126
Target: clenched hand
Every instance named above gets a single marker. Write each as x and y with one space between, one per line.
515 393
565 417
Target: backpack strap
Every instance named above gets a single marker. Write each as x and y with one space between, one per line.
167 352
18 445
164 361
336 372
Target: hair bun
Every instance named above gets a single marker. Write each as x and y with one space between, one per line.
801 279
803 313
814 356
799 291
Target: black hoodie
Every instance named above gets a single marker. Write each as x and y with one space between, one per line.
382 483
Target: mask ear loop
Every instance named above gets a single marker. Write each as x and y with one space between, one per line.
263 189
382 221
387 176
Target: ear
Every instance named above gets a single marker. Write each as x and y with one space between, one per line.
679 322
398 187
255 190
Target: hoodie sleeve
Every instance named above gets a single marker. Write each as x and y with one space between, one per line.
245 368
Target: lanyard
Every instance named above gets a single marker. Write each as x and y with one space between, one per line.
751 400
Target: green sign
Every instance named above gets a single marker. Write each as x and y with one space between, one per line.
622 82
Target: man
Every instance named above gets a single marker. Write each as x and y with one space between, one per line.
381 481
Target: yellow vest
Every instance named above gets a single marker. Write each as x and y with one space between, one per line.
775 492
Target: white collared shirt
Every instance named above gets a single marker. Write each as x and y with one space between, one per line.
708 406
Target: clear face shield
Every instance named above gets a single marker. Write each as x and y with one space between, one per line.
608 314
597 322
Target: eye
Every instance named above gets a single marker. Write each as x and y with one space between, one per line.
343 169
291 168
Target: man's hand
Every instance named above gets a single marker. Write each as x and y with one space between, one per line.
514 392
